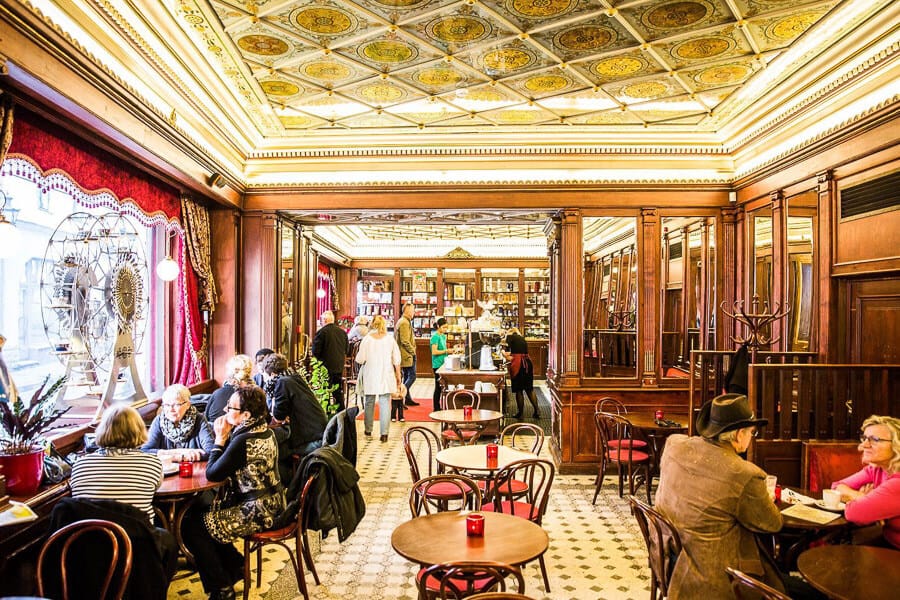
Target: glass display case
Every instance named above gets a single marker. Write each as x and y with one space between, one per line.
458 303
537 304
419 287
375 294
501 286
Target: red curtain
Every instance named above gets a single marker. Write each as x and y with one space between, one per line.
54 151
323 290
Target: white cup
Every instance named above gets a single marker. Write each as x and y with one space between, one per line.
831 498
771 482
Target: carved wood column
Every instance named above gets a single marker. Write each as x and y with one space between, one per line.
730 262
305 282
259 273
648 291
224 331
825 340
779 267
564 241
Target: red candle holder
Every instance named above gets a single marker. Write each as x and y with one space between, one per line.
492 462
467 412
492 450
475 525
660 415
186 469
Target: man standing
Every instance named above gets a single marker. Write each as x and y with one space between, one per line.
406 339
717 501
330 346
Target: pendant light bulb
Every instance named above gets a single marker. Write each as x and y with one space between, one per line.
167 269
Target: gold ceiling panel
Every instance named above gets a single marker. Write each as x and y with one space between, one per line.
396 65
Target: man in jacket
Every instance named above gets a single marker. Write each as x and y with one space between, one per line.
717 500
330 346
406 339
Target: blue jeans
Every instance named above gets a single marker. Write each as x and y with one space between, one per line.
409 377
384 412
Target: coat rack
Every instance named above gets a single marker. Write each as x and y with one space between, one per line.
755 321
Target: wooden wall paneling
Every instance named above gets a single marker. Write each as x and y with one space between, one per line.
569 297
258 282
729 269
826 298
224 332
781 458
779 269
648 357
873 315
305 282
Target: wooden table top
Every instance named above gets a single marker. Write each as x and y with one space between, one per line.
647 421
848 572
174 486
796 523
456 415
441 537
474 458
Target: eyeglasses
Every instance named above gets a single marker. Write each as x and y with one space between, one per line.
173 404
755 432
237 408
872 439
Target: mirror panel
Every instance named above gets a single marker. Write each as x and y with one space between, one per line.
610 292
761 284
801 226
286 292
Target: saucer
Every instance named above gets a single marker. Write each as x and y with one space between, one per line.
821 504
170 468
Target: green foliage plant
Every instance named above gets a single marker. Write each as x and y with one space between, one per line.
22 427
316 376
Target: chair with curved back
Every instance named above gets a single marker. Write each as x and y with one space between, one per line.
527 436
437 492
421 446
462 579
747 587
70 566
663 545
296 529
457 399
500 596
617 446
351 374
608 404
537 475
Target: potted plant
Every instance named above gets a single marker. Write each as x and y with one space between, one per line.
21 437
319 383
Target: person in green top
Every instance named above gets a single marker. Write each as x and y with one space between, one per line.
439 354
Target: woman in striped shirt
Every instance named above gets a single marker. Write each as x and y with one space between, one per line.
119 470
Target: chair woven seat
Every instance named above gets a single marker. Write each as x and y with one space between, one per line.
622 455
443 490
433 581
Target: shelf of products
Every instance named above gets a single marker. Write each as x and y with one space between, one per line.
502 288
375 296
458 304
537 304
419 287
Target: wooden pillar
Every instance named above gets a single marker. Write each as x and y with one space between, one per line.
779 269
730 261
305 282
825 340
224 333
648 287
564 233
259 238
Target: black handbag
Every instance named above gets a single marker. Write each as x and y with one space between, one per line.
56 467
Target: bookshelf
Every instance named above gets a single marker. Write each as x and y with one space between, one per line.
536 298
419 287
375 295
502 287
459 297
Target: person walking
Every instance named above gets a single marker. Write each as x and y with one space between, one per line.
379 356
406 339
330 346
439 354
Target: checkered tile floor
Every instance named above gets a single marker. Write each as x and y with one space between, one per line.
596 552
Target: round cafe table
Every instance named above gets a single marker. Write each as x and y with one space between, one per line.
176 495
846 572
474 458
441 537
455 419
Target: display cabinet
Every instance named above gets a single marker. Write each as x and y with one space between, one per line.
375 295
501 286
536 297
419 287
458 303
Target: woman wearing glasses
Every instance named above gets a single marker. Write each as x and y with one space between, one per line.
873 494
179 431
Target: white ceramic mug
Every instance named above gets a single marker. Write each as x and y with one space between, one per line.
831 498
771 482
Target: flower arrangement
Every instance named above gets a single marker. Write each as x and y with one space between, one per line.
345 322
23 426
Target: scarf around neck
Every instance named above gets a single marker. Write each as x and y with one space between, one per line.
180 433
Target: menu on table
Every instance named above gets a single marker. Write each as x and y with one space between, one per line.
808 513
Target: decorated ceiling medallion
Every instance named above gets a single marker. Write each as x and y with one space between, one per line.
400 3
296 121
646 89
537 9
275 87
619 67
438 77
585 38
388 51
788 28
676 15
324 21
546 83
326 70
722 75
703 48
507 59
608 118
485 95
381 93
517 117
264 45
459 29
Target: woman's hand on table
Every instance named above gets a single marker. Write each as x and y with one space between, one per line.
848 493
179 454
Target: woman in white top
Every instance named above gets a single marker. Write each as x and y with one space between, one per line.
379 375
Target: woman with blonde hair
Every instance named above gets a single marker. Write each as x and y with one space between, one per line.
119 470
238 372
873 494
379 356
179 431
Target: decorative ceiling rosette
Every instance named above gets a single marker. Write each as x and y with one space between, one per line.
387 53
280 90
621 66
545 83
381 93
531 14
723 44
600 35
663 19
327 71
720 75
323 22
506 60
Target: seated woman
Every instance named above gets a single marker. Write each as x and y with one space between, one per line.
873 494
238 371
179 432
245 459
119 470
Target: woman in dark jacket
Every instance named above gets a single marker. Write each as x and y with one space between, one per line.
245 459
179 431
238 372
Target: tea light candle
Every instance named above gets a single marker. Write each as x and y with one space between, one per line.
475 525
660 415
467 412
185 468
491 450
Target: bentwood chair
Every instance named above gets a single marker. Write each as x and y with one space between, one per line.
85 559
663 545
457 399
618 447
527 436
747 587
462 579
295 530
537 475
500 596
437 492
421 446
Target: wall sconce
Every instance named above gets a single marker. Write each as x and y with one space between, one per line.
320 293
217 180
9 233
167 269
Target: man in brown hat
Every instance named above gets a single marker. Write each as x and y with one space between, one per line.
717 500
